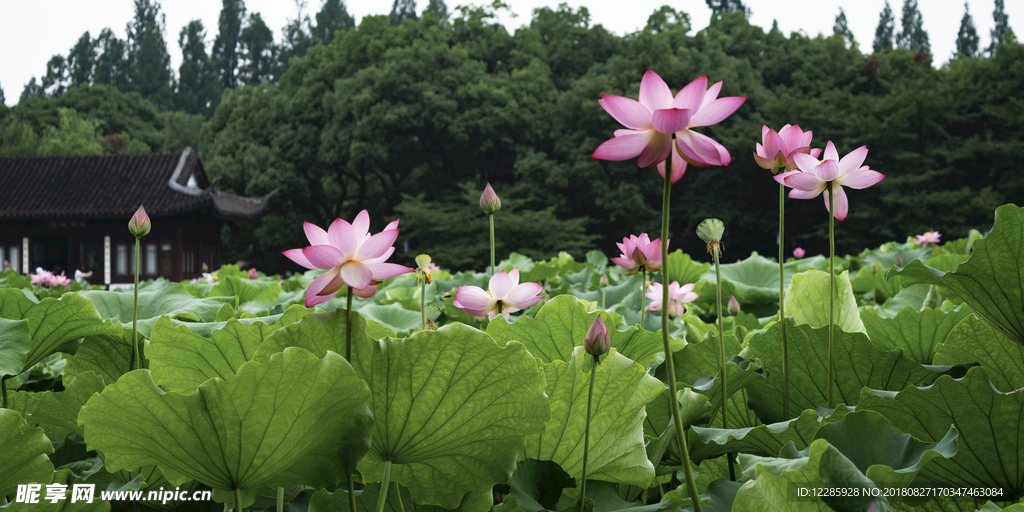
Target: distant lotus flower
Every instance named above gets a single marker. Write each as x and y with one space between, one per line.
817 175
899 260
352 256
489 201
778 148
799 253
677 296
657 116
597 342
433 266
734 305
505 296
253 274
638 253
140 225
41 278
930 237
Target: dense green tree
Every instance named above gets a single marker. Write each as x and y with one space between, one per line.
912 34
3 100
719 7
112 63
72 136
31 91
257 51
149 63
82 60
197 79
1001 26
666 18
17 138
841 29
226 52
55 81
402 10
296 39
332 18
438 8
885 33
967 39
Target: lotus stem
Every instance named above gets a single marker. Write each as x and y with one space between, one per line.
684 449
721 352
382 498
586 433
423 306
643 294
351 492
831 288
490 217
398 494
280 499
3 390
602 297
782 304
238 499
134 364
348 325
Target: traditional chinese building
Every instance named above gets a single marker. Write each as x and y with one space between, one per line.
70 210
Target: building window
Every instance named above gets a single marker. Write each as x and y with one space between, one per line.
166 257
122 259
13 256
150 259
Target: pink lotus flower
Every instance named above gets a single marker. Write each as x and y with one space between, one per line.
779 147
597 342
677 296
140 224
930 237
816 175
506 296
352 255
658 123
253 274
733 307
47 278
489 201
639 252
799 253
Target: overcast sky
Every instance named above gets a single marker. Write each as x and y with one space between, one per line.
34 31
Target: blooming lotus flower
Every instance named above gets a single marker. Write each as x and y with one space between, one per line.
352 256
930 237
776 153
60 280
253 274
506 296
677 296
639 252
816 175
41 278
799 253
489 201
660 125
140 225
597 342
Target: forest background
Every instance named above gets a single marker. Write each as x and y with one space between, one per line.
409 115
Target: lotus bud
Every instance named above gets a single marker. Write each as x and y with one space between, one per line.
799 253
899 260
734 306
253 274
604 280
597 341
140 225
489 201
205 268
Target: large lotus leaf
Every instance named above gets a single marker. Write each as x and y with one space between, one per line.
605 496
366 501
807 301
680 267
319 333
990 424
244 290
707 293
61 409
452 410
764 440
916 332
621 390
886 254
171 300
757 278
293 314
613 294
107 354
701 359
561 325
296 419
55 325
773 479
65 505
15 343
990 281
181 360
393 316
23 458
913 297
976 341
857 364
537 484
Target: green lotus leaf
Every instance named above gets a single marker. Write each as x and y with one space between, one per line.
537 484
296 419
990 424
366 501
886 254
319 333
23 459
764 440
605 497
807 301
990 281
757 278
680 267
707 293
772 480
857 364
293 314
172 300
393 316
916 332
561 325
245 290
622 388
55 325
453 411
15 344
976 341
64 505
107 354
913 297
719 495
61 409
613 294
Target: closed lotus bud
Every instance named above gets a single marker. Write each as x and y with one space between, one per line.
140 225
734 306
799 253
205 268
597 341
604 280
489 201
253 274
899 260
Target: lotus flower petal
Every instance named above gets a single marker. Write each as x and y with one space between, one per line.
654 92
627 111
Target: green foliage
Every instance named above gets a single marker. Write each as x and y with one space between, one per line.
74 136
